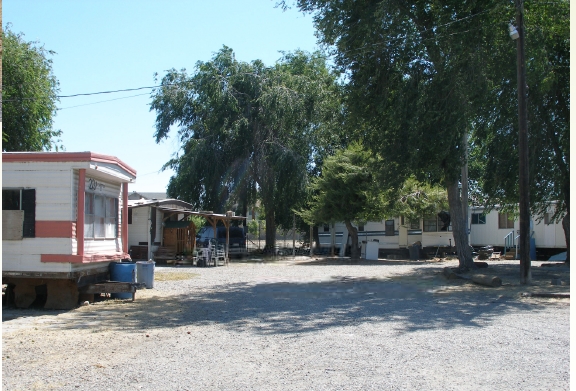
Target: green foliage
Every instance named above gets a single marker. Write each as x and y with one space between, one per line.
29 95
416 200
198 221
495 136
412 78
249 131
415 75
347 190
256 226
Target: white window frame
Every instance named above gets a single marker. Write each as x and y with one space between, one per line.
100 216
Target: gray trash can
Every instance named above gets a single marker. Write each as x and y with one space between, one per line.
145 273
414 252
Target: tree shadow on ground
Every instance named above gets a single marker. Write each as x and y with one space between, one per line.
419 300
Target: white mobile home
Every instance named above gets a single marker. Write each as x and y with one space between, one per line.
64 218
392 234
496 229
501 230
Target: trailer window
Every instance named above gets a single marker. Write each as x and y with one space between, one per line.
478 218
505 220
431 223
25 200
434 223
101 216
389 224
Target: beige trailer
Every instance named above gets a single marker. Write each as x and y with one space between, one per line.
64 219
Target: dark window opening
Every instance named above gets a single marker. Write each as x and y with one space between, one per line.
389 224
478 218
25 200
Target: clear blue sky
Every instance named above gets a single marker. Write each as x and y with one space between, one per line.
109 45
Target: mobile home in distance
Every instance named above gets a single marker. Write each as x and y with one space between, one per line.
496 229
64 219
393 235
501 230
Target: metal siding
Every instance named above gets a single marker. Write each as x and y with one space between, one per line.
433 239
31 263
101 246
74 194
35 179
53 212
37 246
138 230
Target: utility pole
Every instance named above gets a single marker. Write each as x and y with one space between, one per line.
523 178
294 236
465 186
311 239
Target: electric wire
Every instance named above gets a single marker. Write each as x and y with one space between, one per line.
102 101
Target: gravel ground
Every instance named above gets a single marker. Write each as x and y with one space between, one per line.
300 325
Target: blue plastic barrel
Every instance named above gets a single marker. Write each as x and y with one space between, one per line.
123 272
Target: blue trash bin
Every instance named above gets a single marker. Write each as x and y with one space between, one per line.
123 272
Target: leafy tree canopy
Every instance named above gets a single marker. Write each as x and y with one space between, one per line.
248 130
347 190
413 80
495 132
29 95
415 200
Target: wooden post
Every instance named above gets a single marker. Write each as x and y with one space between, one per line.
524 185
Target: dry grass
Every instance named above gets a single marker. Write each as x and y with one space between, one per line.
174 276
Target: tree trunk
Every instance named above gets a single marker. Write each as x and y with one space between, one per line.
270 230
459 229
566 226
316 236
353 232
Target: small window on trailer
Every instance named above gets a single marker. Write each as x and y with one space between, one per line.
389 225
505 220
478 218
25 200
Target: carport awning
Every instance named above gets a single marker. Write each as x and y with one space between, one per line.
176 224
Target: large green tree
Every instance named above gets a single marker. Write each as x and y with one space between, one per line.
29 95
348 191
413 79
495 135
248 131
415 200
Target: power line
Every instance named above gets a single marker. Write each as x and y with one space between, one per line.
102 101
420 32
107 92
